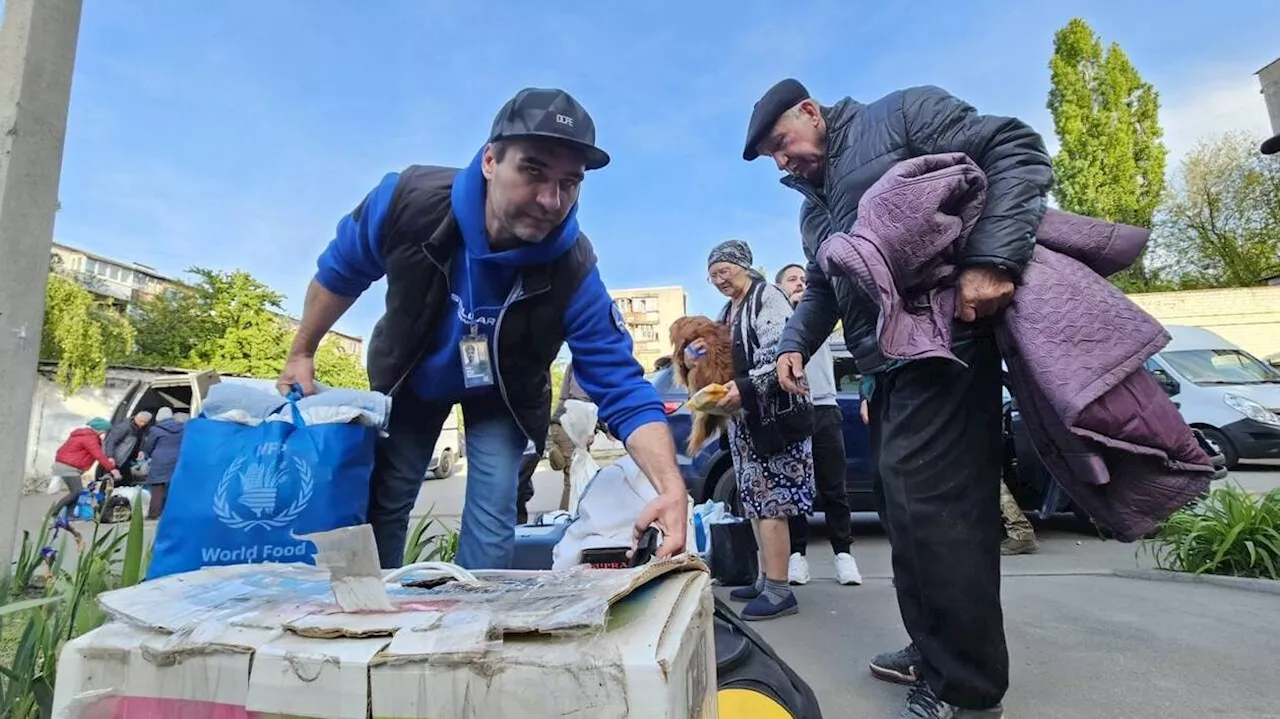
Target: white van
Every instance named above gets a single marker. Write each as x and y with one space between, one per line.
1227 393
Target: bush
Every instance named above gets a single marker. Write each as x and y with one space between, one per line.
35 622
430 541
1230 531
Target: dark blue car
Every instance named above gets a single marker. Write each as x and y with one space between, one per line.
709 473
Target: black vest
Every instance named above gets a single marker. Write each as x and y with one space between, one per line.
419 237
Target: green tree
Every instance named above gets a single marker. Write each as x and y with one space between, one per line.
170 326
338 368
557 378
74 336
1111 161
1221 224
245 334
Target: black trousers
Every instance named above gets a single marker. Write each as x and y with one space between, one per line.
524 493
936 437
829 481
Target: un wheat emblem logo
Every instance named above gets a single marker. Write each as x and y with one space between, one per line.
259 487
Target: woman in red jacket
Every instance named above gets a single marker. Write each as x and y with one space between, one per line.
75 457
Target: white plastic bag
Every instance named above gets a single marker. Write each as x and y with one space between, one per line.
607 513
579 423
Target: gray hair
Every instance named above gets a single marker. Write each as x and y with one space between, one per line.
143 416
164 413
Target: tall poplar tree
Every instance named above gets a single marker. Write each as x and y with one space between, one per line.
1111 161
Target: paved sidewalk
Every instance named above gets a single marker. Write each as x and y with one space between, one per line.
1084 644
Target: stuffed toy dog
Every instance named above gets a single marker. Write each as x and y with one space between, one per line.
705 376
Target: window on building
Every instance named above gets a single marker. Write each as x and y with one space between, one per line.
113 273
646 333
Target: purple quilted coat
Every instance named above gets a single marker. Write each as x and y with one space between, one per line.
1074 344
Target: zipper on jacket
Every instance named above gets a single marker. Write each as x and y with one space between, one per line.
517 293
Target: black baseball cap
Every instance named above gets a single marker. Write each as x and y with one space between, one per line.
1271 146
538 112
780 98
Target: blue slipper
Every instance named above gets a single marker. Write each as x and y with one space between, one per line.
744 594
761 608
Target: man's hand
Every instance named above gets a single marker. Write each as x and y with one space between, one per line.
866 413
115 474
981 292
791 373
732 400
670 513
299 369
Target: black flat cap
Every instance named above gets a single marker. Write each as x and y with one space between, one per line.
551 113
780 98
1271 146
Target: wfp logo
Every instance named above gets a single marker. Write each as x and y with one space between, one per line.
249 497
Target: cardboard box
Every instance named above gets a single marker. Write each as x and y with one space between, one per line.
438 655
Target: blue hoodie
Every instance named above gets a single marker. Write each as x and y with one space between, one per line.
481 281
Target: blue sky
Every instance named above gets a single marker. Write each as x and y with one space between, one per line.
235 134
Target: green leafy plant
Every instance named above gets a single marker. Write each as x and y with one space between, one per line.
35 623
1230 531
430 541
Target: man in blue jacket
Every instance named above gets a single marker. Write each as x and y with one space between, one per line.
487 276
936 425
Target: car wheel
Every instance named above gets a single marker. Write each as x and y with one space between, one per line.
726 490
1220 444
447 465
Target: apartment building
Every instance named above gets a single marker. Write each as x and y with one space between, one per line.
124 283
649 312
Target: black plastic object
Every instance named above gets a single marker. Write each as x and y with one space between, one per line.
646 548
744 660
733 554
607 557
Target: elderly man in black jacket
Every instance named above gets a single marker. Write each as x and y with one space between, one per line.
935 425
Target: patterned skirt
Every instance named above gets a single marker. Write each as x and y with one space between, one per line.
774 486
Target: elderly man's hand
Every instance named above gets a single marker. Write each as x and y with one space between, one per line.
791 373
982 292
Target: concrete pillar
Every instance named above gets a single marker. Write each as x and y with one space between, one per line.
1269 78
37 54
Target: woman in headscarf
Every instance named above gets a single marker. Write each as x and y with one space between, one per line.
770 429
76 455
162 445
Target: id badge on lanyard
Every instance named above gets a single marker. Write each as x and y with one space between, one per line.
477 370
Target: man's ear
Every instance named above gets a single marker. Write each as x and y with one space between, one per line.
811 110
489 162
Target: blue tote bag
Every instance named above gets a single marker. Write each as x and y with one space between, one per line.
240 494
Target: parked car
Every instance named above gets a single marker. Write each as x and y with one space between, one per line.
709 472
1232 397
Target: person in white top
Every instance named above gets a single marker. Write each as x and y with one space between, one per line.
828 458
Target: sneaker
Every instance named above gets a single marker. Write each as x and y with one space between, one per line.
1010 546
798 569
744 594
760 608
900 667
847 570
922 703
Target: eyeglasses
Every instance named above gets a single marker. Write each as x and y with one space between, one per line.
723 273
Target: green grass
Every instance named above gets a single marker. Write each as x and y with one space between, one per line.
1231 531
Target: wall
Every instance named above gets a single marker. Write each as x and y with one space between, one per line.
53 416
1247 316
649 313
